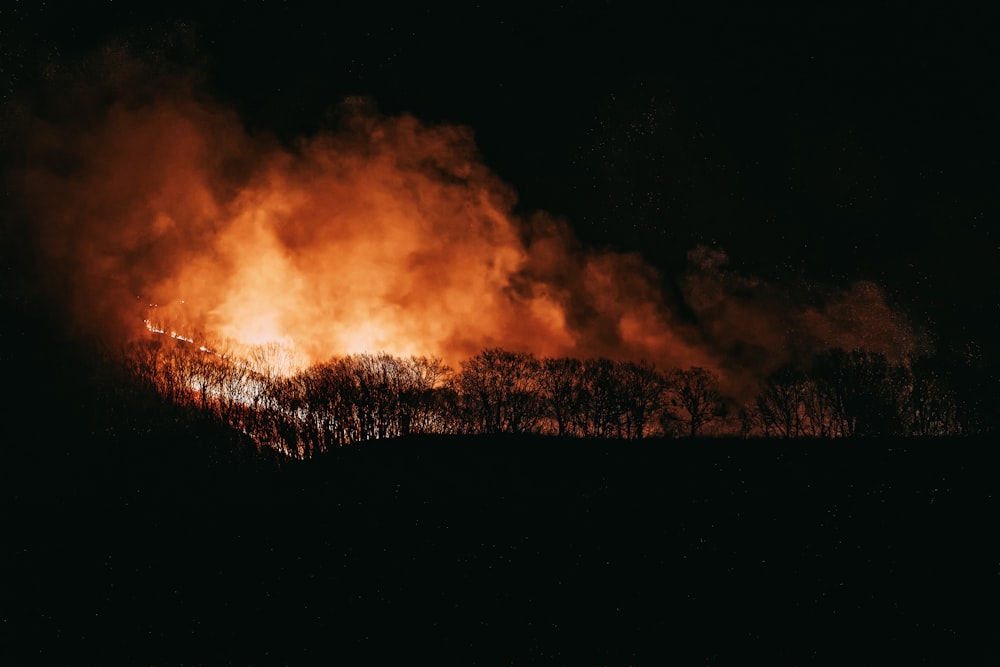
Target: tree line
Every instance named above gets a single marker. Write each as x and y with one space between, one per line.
364 397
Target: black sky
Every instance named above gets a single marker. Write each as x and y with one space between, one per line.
812 144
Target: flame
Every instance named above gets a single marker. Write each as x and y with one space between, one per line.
382 234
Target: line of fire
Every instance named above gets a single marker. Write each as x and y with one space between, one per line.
305 410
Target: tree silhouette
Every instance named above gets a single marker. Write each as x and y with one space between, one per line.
602 408
642 389
791 404
865 390
420 403
975 380
500 391
693 399
364 397
780 407
561 388
929 407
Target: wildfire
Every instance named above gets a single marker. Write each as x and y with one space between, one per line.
384 234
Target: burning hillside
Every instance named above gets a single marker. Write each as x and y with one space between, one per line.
383 234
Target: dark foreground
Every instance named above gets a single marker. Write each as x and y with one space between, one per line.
531 551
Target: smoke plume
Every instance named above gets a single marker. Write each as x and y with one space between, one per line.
150 202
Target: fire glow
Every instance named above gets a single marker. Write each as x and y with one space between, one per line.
383 234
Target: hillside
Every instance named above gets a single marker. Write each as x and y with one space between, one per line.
526 551
136 531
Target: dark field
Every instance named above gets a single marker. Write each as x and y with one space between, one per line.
517 551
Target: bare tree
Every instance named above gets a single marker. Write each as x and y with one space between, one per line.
929 406
501 392
421 410
780 407
602 410
865 391
642 389
974 378
693 398
560 384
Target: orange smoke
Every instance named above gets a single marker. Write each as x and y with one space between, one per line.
384 234
755 327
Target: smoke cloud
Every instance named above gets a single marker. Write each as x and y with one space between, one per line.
754 327
150 201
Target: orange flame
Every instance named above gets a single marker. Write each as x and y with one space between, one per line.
385 234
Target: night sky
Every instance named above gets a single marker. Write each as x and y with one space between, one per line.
814 146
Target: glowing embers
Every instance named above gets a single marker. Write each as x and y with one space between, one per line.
152 328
